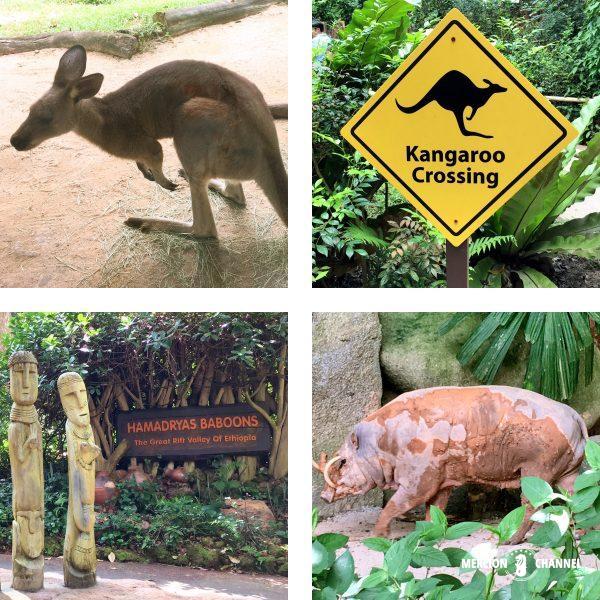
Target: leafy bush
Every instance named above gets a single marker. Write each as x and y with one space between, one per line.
331 11
560 514
561 343
532 217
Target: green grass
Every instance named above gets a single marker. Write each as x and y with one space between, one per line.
29 17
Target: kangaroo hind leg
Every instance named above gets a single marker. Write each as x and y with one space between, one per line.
459 119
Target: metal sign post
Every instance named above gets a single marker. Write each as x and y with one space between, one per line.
457 265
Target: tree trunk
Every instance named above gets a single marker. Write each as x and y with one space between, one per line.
182 20
116 44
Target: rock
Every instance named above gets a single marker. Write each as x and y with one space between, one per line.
415 355
199 556
346 387
253 511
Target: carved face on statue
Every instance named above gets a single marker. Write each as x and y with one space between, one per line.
73 397
23 378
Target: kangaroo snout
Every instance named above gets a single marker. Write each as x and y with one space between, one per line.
18 142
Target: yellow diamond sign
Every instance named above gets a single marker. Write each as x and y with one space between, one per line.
457 129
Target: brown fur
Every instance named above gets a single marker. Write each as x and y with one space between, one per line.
220 123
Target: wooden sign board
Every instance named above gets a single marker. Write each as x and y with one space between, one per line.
194 431
457 129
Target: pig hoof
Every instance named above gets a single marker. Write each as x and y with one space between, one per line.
383 533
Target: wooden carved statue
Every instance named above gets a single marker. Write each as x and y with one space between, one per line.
25 450
80 548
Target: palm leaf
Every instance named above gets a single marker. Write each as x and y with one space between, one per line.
452 322
532 278
487 367
578 236
586 115
480 337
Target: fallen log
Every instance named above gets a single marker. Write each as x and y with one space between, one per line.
122 45
182 20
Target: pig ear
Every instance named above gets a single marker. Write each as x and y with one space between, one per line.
87 86
71 66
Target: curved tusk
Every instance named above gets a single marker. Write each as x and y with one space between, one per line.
317 466
326 470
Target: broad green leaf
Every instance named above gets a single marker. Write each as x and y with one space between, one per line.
586 479
577 236
378 544
584 499
315 518
538 580
428 556
375 579
511 523
474 590
547 536
324 594
536 490
342 573
532 278
332 541
456 556
398 557
446 579
437 516
590 541
592 454
557 514
462 530
321 558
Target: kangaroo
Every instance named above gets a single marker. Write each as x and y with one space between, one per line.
454 91
221 127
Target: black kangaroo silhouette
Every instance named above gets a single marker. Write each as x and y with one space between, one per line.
454 91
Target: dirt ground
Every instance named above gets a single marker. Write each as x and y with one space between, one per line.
62 205
132 581
359 524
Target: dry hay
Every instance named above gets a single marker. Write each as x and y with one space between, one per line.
250 252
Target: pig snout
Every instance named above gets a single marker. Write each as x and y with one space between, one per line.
18 143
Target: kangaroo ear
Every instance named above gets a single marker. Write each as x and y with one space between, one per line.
87 86
487 81
71 66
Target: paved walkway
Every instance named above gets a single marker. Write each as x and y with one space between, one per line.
134 581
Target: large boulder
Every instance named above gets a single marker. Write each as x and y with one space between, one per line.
346 387
415 355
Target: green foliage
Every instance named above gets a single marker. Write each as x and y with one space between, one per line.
51 16
331 11
561 347
532 215
142 349
414 256
376 30
558 513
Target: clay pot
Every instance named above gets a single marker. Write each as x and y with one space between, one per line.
120 474
137 474
105 489
178 475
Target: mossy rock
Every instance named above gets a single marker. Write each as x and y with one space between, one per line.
270 564
220 544
283 569
200 556
167 557
209 542
124 555
247 562
414 355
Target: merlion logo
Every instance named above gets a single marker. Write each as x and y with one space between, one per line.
454 91
521 565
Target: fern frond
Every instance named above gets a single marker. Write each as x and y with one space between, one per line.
485 244
364 234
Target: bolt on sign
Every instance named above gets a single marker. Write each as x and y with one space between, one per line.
457 129
194 431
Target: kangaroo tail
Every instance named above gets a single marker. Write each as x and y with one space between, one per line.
279 111
273 180
418 106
